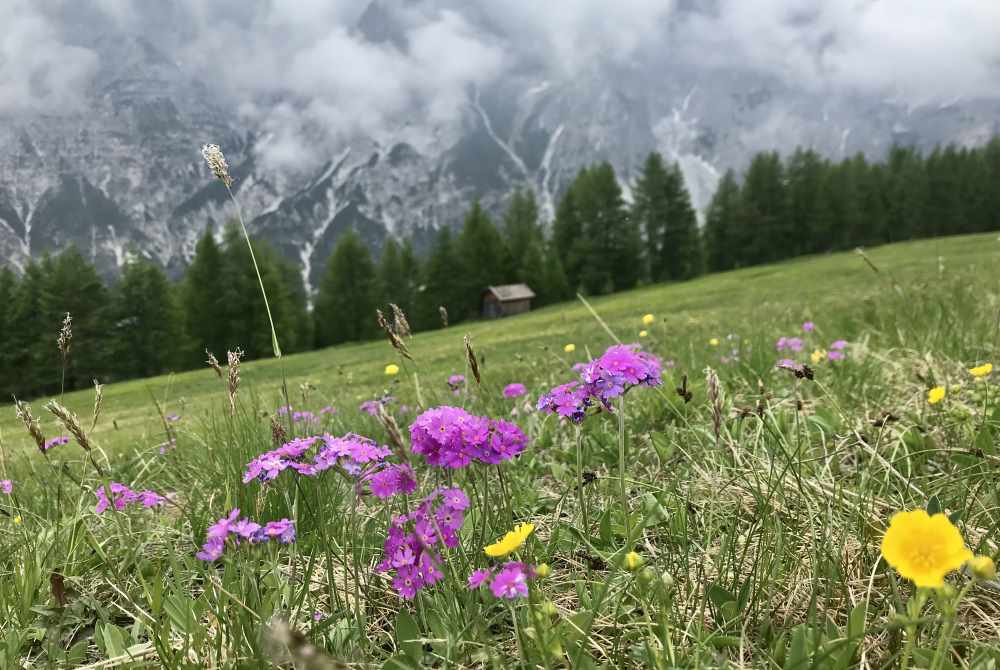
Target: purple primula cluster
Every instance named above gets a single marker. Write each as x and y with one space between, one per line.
243 530
6 486
389 479
351 452
413 546
57 441
450 437
372 407
509 581
514 390
619 369
122 496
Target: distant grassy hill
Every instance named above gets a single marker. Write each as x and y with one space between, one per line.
831 288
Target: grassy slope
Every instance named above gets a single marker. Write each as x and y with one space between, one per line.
743 301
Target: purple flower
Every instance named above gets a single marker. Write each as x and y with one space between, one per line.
372 407
570 401
509 581
328 410
839 345
515 390
392 480
304 417
6 486
789 364
172 418
450 437
414 541
835 355
283 410
318 616
789 344
455 381
55 442
243 529
349 452
122 496
808 326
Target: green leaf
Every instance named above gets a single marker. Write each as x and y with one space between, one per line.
719 596
400 662
933 505
408 636
605 531
798 654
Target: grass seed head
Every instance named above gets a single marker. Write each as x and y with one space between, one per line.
65 339
98 402
400 324
213 363
470 356
233 378
444 316
23 411
217 163
72 423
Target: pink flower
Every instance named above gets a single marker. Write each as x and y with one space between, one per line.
808 326
7 486
515 390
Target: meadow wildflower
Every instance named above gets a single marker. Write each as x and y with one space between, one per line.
6 486
618 369
173 418
510 542
643 333
373 407
351 452
514 390
543 570
817 356
713 342
413 544
570 401
808 326
55 442
392 369
924 548
232 526
839 345
835 355
982 567
455 383
328 410
450 437
569 348
122 496
793 344
981 370
391 480
648 319
18 520
509 581
633 561
935 395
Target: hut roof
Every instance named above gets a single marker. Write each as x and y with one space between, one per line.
509 292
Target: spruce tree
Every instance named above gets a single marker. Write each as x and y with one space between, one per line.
439 287
680 252
346 301
27 326
768 235
721 223
389 276
201 303
567 232
145 323
612 244
650 210
8 292
483 258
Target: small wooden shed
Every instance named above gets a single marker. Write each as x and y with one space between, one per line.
506 300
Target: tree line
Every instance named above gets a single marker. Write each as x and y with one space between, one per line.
143 324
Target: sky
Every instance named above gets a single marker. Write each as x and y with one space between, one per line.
288 64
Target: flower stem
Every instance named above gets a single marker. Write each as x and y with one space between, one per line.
621 468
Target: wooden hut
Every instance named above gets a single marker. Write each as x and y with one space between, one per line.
506 300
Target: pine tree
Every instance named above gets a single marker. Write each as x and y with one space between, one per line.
806 173
568 234
612 244
26 324
293 308
389 276
439 287
680 252
522 235
9 287
483 258
201 303
768 235
72 286
906 195
650 210
145 323
720 225
345 304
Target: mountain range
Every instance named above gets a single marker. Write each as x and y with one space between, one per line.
121 174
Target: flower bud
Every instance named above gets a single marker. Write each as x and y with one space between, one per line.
667 580
647 577
982 567
633 561
548 608
543 570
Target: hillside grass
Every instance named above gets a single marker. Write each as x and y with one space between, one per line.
755 511
750 301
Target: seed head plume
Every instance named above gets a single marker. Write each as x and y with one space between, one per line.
233 378
470 356
23 411
444 316
72 424
217 163
98 402
390 332
400 324
392 428
213 363
65 339
278 434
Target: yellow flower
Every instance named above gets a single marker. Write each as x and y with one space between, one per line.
714 342
633 561
648 320
392 369
981 370
817 356
543 570
512 541
18 520
643 333
924 548
983 567
569 348
935 395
